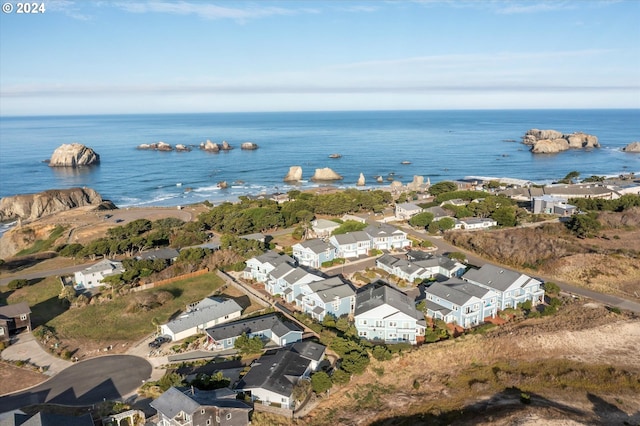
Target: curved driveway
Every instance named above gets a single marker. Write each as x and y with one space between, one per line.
87 382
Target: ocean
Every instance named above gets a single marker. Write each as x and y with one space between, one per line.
440 145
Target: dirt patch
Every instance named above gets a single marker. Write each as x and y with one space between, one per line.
14 378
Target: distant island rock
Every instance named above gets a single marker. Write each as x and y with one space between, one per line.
73 155
225 146
34 206
325 174
361 180
249 146
210 146
157 146
335 155
552 141
294 174
181 147
632 147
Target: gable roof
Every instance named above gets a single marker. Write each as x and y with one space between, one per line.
296 275
441 261
103 265
381 230
274 258
316 245
14 310
252 325
494 276
449 292
203 314
281 270
173 402
331 288
325 225
438 212
375 295
387 260
352 237
309 349
408 206
159 253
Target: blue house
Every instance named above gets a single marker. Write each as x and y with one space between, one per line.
459 302
511 287
331 296
313 253
268 327
258 268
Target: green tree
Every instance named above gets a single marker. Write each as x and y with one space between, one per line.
381 353
421 220
17 283
320 382
349 226
446 223
505 216
340 377
68 294
583 225
248 345
442 187
570 177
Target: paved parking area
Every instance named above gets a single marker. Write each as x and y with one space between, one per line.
26 348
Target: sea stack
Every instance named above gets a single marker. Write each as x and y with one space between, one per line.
552 141
74 155
209 146
294 174
249 146
325 174
361 181
632 147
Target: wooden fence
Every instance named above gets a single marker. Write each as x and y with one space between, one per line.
171 280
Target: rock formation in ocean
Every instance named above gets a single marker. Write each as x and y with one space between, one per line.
157 146
223 184
552 141
181 147
632 147
249 146
416 184
225 146
379 179
361 181
73 155
294 174
325 174
209 146
34 206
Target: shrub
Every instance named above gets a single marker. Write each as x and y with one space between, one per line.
340 377
16 284
551 288
320 382
381 353
416 384
525 398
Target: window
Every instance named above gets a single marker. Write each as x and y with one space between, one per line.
23 317
208 422
1 331
228 341
363 322
229 415
202 411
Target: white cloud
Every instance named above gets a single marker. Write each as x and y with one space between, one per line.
68 7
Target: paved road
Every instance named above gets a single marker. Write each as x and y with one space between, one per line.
42 274
110 377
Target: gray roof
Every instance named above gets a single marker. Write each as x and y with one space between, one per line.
47 419
309 349
324 224
172 402
203 314
493 276
296 275
448 292
388 260
374 295
431 305
281 270
255 236
465 287
331 288
438 212
159 253
442 261
103 265
276 371
252 325
352 237
274 258
409 206
316 245
415 255
14 310
381 230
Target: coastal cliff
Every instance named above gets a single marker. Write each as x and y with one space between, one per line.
552 141
34 206
73 155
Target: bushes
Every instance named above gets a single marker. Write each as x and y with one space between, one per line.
16 284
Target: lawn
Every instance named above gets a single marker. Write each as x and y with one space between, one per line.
110 321
42 297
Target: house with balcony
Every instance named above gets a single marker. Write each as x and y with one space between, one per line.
313 253
550 204
405 211
13 319
294 281
92 276
323 228
275 283
258 267
511 287
386 314
331 296
270 328
401 268
208 312
427 267
387 237
273 376
459 302
352 244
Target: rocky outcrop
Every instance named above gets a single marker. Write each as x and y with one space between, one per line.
361 181
325 174
632 147
34 206
225 146
294 174
157 146
416 184
209 146
73 155
379 179
181 147
552 141
223 184
249 146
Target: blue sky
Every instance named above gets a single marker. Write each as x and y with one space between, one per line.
95 57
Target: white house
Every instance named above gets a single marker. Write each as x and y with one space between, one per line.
473 223
405 211
270 327
460 302
387 237
323 227
93 275
352 244
258 268
313 253
208 312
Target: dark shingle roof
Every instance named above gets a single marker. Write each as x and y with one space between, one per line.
252 325
172 402
331 288
375 295
310 350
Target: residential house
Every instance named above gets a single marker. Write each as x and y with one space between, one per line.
323 228
440 266
269 327
460 302
511 287
258 268
387 237
313 253
550 204
275 283
438 212
405 211
14 318
353 218
387 314
420 265
293 282
166 253
208 312
272 377
401 268
195 407
331 296
458 202
474 223
351 244
93 275
19 418
257 236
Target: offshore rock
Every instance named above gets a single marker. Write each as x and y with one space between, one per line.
550 146
73 155
225 146
325 174
361 181
209 146
632 147
249 146
34 206
552 141
181 147
416 184
294 174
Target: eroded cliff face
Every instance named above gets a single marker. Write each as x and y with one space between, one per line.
34 206
73 155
